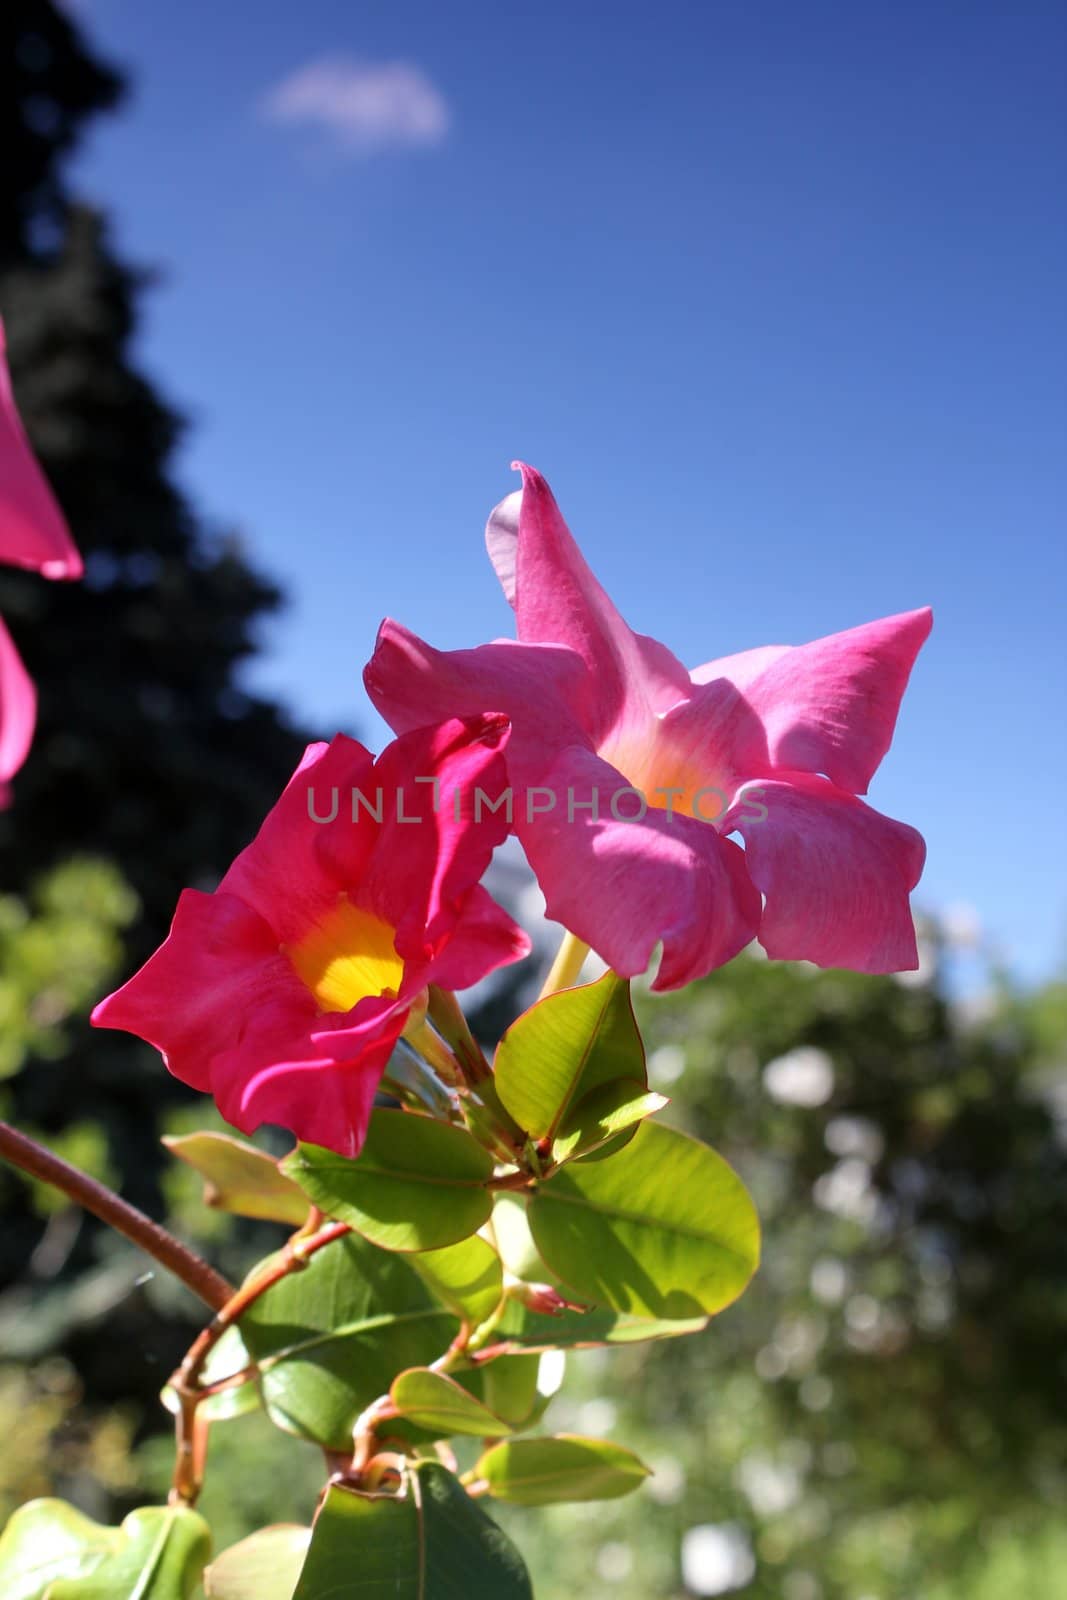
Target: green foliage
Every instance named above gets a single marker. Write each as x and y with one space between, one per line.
240 1178
537 1472
265 1566
50 1551
418 1184
438 1404
330 1339
432 1543
617 1232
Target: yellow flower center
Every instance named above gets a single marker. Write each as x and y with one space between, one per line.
348 957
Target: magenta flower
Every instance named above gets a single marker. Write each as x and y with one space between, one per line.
284 992
32 530
32 534
630 772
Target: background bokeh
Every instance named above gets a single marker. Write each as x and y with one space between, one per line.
771 294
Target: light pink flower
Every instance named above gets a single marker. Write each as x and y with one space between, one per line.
284 992
774 744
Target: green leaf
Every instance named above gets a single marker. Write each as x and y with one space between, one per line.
330 1339
45 1540
538 1472
467 1277
432 1543
240 1178
417 1185
521 1329
509 1388
159 1555
265 1566
665 1228
602 1114
563 1048
438 1404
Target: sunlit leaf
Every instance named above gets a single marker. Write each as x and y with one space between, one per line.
467 1277
442 1407
240 1178
538 1472
48 1539
159 1555
417 1184
330 1339
664 1228
265 1566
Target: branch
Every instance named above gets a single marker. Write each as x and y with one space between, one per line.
194 1272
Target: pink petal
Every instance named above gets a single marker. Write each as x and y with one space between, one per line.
830 706
622 887
299 861
192 999
536 686
558 601
18 708
437 836
33 532
483 939
836 874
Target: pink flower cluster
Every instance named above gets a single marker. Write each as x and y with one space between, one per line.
284 992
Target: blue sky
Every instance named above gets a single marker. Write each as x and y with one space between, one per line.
772 292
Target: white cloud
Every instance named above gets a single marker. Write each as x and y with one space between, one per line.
364 106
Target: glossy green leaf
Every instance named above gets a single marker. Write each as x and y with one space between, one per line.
432 1543
538 1472
521 1329
603 1114
665 1228
240 1178
159 1555
509 1388
563 1048
265 1566
330 1339
417 1184
438 1404
467 1277
46 1540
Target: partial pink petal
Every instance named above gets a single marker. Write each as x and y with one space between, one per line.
437 835
483 939
18 708
318 1097
537 686
622 886
193 999
308 850
32 530
558 601
836 874
831 706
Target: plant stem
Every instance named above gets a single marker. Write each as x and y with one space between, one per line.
567 966
194 1272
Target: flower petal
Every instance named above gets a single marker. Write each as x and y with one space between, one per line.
219 966
624 886
484 938
536 686
18 708
307 849
829 706
437 834
558 601
836 874
33 532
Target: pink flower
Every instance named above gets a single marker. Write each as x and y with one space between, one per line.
630 772
32 534
284 992
32 530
